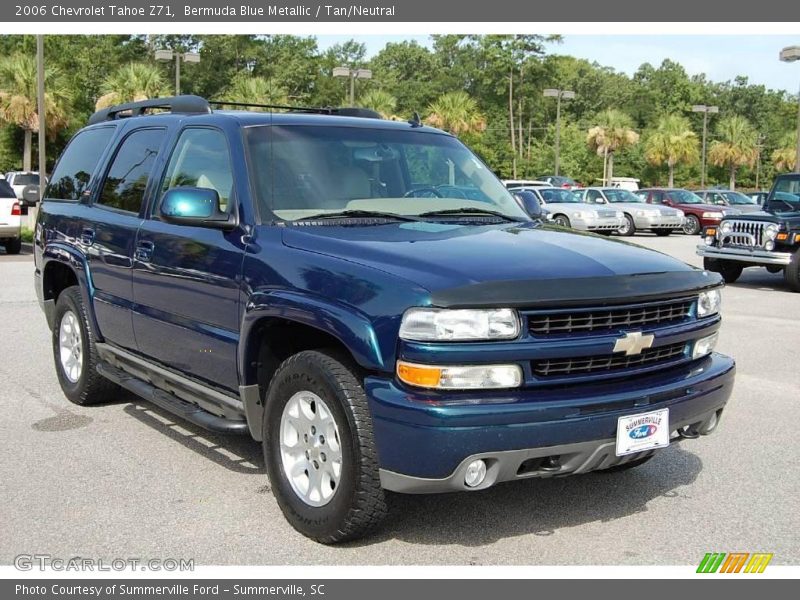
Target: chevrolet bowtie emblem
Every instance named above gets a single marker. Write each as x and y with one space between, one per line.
633 343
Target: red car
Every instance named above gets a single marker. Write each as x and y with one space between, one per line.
697 213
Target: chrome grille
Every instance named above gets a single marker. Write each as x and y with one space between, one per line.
560 367
744 233
624 317
606 214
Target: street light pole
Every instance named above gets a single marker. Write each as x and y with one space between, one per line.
353 74
40 109
791 54
558 95
702 108
168 55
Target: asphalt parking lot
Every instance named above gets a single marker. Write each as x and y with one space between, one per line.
127 480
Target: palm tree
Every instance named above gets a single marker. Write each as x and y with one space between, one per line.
613 132
672 142
257 90
18 104
381 102
737 145
132 82
457 113
785 155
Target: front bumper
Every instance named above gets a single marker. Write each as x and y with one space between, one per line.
657 221
424 445
609 224
755 256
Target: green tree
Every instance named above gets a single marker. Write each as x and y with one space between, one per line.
671 143
256 90
736 147
132 82
612 133
457 113
379 101
18 102
784 157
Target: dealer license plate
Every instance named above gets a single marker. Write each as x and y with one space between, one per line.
646 431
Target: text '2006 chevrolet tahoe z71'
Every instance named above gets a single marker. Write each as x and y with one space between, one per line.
365 298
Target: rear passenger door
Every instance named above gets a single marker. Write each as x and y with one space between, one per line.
109 236
187 279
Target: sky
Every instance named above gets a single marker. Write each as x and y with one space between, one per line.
720 57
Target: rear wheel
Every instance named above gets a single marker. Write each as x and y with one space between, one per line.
561 220
13 246
730 271
791 272
662 232
628 228
691 226
319 448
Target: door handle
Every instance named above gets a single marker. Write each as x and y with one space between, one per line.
87 237
144 250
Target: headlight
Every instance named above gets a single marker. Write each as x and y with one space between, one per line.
470 377
712 215
438 324
705 346
771 231
726 227
708 303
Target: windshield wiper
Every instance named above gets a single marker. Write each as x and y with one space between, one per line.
358 214
467 211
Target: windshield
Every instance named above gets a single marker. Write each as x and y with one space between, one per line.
303 171
559 195
617 195
736 198
685 197
786 190
26 179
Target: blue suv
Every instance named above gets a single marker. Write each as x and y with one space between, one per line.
366 299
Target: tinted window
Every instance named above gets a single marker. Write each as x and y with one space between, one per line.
75 167
127 177
201 159
684 197
560 195
6 191
594 196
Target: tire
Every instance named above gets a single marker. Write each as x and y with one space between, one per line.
629 228
730 270
662 232
561 220
631 464
356 502
791 273
82 385
691 226
13 246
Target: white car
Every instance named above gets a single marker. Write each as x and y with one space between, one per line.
524 183
19 180
639 215
10 219
569 210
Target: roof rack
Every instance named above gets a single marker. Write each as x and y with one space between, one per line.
342 111
177 104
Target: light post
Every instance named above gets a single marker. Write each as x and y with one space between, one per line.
187 57
791 54
558 95
706 110
353 74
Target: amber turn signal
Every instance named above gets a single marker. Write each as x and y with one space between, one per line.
419 375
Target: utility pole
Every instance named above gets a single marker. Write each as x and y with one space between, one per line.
791 54
702 108
40 109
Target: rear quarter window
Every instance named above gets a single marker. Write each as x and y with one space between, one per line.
77 164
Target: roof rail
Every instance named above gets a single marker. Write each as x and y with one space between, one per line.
177 104
343 111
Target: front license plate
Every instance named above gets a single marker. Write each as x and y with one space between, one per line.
646 431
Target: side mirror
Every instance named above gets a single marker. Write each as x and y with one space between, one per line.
666 201
197 207
599 200
529 203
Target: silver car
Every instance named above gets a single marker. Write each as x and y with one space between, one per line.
569 210
736 200
638 214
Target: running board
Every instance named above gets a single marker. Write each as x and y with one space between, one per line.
170 402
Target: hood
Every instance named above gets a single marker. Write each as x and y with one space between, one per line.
705 207
771 217
570 207
440 256
642 206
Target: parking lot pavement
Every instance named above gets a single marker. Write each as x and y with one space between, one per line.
127 480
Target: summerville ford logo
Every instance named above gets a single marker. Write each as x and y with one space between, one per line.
644 427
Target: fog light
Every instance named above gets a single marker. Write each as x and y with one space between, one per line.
476 473
704 346
769 246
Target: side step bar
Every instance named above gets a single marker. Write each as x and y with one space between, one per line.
169 402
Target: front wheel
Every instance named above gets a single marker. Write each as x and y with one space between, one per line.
561 220
319 448
791 273
691 226
729 270
628 228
